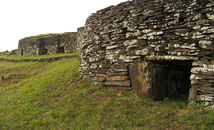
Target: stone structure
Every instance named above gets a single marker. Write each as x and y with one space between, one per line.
158 48
48 44
80 38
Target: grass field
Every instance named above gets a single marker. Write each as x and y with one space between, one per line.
15 57
41 95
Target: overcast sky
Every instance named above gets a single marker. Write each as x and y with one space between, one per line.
23 18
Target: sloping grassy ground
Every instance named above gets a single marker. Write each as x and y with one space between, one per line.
40 95
16 57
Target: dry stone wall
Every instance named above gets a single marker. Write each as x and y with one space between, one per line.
80 38
48 44
135 36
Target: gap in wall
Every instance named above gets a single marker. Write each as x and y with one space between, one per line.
171 79
61 50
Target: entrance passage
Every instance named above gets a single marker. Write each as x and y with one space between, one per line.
161 79
61 50
43 51
170 79
21 53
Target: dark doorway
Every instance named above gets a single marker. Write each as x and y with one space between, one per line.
170 79
61 50
45 51
21 53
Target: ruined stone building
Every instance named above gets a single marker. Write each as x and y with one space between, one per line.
158 48
48 44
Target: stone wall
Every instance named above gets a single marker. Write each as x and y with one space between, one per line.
133 44
48 44
80 38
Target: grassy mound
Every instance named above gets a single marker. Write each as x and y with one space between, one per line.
49 35
14 56
41 95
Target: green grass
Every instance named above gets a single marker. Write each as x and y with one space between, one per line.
51 96
16 57
8 65
49 35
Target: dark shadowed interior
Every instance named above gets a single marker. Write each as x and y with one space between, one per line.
43 51
170 79
21 52
61 50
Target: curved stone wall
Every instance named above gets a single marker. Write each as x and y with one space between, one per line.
123 45
48 44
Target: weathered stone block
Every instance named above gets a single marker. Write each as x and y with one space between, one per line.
192 95
117 78
100 79
205 98
118 83
139 78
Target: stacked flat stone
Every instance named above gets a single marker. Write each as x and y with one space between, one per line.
80 37
141 30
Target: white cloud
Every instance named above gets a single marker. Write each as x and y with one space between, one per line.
23 18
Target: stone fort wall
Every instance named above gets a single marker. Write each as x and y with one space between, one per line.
48 44
145 45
